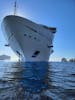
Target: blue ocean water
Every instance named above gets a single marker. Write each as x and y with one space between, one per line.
37 81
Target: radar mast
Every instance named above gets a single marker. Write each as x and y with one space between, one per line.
15 7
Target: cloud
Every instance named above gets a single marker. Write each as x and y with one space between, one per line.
4 57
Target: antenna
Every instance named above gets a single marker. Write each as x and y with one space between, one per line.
15 7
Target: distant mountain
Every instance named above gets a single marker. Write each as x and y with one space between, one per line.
4 57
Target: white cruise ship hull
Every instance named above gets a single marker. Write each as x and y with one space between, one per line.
30 41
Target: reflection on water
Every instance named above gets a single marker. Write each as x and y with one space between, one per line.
37 81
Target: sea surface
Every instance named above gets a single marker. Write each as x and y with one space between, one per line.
37 81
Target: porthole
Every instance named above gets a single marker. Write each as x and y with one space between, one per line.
25 34
30 36
35 38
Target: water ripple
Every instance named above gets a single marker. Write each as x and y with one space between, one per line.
37 81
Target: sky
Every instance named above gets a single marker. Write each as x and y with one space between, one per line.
53 13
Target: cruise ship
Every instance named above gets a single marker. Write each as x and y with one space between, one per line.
29 40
